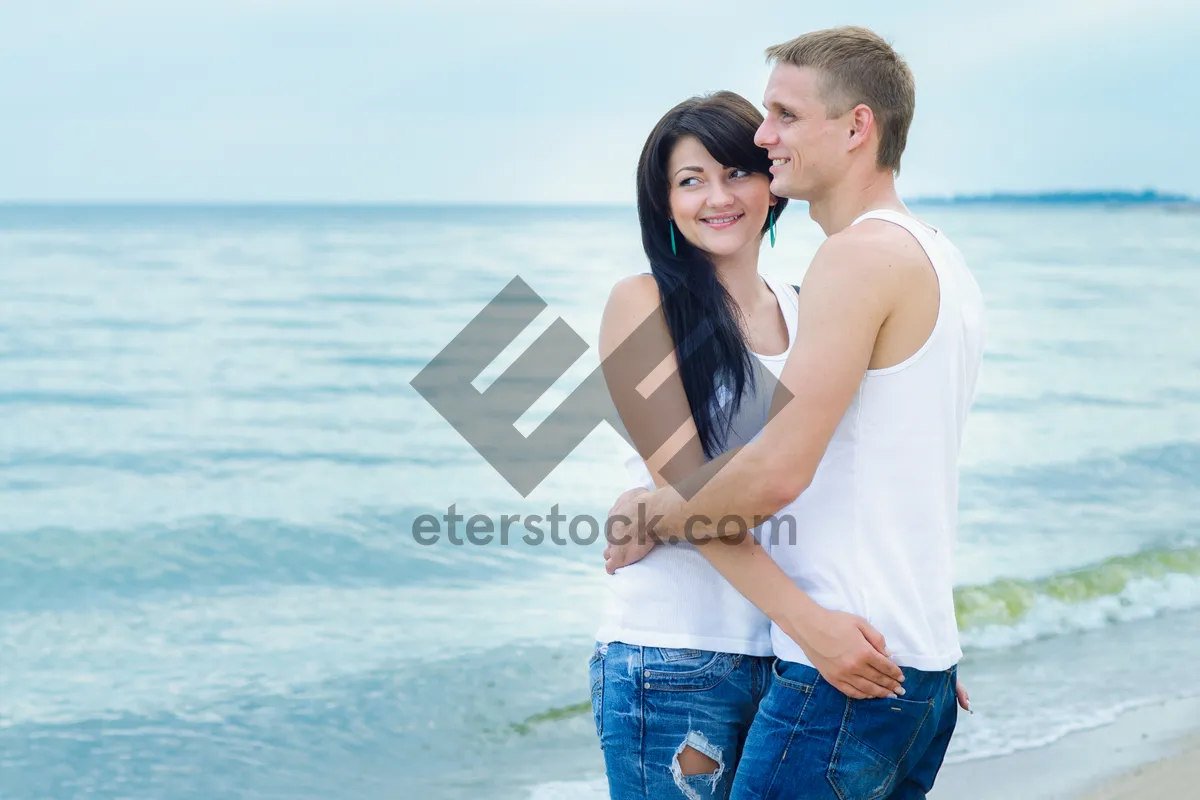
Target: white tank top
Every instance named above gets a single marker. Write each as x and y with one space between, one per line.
878 526
673 597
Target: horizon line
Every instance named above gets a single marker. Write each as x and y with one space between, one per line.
998 196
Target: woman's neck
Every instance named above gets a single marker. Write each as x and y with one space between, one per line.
738 273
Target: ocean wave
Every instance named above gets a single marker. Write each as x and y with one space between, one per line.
1007 745
1008 612
59 567
1142 477
90 400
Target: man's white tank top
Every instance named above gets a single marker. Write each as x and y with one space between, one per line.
673 597
877 527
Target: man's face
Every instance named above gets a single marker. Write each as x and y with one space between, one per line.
807 147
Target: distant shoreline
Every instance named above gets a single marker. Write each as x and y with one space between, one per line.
1124 198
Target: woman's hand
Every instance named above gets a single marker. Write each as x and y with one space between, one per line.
627 543
848 653
964 699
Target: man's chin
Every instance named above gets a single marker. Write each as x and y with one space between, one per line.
780 187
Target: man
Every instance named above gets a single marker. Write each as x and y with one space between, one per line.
864 454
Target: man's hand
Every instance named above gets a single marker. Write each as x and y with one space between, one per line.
628 543
850 654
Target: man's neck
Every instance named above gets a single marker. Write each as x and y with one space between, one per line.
854 196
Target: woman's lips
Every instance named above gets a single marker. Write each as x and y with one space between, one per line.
723 221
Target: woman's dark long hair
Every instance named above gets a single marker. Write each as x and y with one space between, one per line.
703 319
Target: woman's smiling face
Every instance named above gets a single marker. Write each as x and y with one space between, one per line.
718 209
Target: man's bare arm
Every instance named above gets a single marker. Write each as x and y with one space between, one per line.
633 310
845 299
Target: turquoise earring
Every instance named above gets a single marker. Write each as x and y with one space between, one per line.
771 219
671 225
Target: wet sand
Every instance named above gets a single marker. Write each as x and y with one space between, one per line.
1152 752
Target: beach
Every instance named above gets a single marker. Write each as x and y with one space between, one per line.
1172 777
1150 753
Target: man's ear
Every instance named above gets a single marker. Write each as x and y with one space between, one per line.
862 120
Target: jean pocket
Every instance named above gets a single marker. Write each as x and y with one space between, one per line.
669 654
800 677
875 738
596 674
679 670
597 655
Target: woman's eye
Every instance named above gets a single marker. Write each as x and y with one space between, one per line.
687 181
740 173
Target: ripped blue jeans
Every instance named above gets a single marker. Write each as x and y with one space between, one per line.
650 703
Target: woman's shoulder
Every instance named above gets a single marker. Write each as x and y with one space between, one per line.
633 300
641 290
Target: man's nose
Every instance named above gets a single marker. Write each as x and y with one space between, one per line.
764 137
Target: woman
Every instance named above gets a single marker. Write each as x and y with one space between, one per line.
683 659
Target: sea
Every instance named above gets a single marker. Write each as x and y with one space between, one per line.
214 475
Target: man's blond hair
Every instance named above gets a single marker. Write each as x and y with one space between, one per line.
858 66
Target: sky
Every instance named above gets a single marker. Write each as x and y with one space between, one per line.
534 101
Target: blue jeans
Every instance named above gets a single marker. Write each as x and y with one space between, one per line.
809 740
650 703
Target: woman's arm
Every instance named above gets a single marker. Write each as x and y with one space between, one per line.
641 371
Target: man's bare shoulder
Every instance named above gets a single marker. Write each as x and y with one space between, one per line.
881 253
877 245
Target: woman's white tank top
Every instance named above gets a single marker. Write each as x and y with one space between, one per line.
673 597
